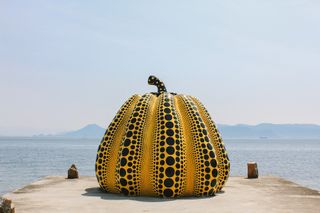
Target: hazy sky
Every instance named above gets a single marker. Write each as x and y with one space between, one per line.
65 64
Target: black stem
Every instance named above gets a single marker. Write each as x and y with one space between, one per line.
156 82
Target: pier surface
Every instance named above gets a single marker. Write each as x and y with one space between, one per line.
266 194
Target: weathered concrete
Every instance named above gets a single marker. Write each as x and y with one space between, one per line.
266 194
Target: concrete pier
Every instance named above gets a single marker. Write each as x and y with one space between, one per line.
266 194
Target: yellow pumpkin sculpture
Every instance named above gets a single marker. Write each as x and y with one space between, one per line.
162 144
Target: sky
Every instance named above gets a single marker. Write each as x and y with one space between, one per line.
66 64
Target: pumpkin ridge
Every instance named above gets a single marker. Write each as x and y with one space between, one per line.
107 143
128 169
187 146
168 164
183 146
207 170
155 151
147 147
223 160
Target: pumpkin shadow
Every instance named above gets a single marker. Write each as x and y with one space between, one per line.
98 192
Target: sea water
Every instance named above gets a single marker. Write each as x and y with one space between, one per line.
24 160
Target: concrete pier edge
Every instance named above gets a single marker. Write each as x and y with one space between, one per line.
265 194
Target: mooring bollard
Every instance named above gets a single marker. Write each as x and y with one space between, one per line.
73 172
252 170
6 206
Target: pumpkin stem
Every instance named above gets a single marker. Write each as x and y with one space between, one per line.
156 82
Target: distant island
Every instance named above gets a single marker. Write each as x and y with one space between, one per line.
272 131
239 131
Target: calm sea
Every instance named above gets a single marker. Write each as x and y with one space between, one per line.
24 160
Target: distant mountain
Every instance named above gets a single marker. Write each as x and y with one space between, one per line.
89 131
239 131
267 130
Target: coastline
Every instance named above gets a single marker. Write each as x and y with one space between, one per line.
265 194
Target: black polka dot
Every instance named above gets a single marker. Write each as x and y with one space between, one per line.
213 163
170 132
123 161
122 172
170 141
125 152
168 182
129 134
127 142
168 192
170 150
169 171
211 153
135 114
167 110
169 124
123 181
170 161
168 117
214 173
